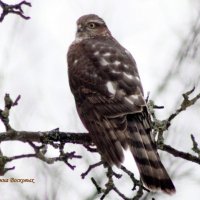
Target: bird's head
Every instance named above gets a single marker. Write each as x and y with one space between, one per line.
89 26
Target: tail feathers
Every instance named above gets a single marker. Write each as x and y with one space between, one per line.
113 134
108 141
152 171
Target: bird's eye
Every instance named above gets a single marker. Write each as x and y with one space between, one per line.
91 25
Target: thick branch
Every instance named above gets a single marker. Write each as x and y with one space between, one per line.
76 138
46 137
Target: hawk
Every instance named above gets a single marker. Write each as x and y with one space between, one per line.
104 80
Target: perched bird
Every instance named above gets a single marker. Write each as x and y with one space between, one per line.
104 80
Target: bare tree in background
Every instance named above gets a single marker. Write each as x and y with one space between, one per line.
187 57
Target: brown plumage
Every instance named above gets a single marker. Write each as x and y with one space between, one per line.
108 93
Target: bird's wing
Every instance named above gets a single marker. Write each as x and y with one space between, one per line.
105 76
105 82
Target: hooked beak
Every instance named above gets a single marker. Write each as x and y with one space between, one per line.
80 29
81 33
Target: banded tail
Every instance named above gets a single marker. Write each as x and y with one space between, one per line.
152 171
113 135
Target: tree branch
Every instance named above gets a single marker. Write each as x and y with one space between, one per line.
186 103
13 9
39 142
46 137
160 126
195 147
90 168
180 154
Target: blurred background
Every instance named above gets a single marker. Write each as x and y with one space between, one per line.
163 37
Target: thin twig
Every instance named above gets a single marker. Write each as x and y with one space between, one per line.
121 194
13 9
195 147
184 105
91 167
98 188
30 155
134 180
180 154
15 103
4 114
91 149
